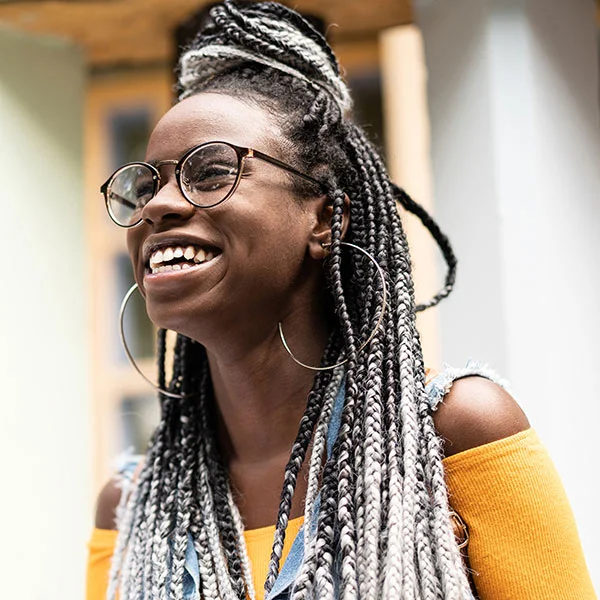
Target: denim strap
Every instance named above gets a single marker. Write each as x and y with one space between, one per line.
293 562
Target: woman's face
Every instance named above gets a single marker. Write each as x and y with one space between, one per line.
258 238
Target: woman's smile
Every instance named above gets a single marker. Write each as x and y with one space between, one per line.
170 272
167 259
175 258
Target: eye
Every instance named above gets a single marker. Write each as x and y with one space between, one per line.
131 188
210 177
143 191
209 173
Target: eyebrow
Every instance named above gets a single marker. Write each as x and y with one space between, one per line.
154 163
165 161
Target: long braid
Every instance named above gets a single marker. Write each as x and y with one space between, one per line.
444 543
297 456
383 528
403 298
242 549
370 466
345 506
189 434
218 481
131 498
212 490
157 454
305 581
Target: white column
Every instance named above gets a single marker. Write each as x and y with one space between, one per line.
45 433
513 97
409 161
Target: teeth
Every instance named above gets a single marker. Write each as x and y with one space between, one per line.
159 257
168 255
156 258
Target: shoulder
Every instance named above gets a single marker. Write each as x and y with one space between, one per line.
110 495
106 506
477 411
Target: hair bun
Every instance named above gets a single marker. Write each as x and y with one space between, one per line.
266 33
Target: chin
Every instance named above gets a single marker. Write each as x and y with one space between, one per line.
177 320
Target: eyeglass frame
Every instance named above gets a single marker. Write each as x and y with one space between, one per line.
242 153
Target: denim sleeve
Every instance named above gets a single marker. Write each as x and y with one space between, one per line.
440 385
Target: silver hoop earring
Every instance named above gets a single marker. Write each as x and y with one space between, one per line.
372 334
126 299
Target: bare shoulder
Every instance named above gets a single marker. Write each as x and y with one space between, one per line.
109 498
106 506
477 411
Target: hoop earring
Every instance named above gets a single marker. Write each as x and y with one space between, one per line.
371 335
126 299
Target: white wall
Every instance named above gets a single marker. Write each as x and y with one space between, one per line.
45 423
513 96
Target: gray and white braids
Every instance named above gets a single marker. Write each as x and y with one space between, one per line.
382 530
200 64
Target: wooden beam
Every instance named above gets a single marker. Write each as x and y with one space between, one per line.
141 31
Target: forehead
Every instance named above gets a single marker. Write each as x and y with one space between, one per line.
208 117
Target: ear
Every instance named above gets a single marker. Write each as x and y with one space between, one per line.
321 232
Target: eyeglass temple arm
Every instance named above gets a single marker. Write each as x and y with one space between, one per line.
122 200
283 165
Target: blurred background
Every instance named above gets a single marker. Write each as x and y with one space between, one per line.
486 112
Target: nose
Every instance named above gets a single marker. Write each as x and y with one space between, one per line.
169 204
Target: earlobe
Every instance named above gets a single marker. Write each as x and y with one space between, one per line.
321 234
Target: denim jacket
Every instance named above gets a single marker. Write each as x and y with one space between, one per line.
436 389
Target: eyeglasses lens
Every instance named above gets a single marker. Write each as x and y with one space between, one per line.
131 188
207 177
209 174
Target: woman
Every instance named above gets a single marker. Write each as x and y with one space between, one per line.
300 452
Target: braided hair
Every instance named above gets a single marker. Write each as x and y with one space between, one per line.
377 507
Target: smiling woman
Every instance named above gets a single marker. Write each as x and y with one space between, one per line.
262 208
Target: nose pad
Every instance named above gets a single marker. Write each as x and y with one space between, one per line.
168 204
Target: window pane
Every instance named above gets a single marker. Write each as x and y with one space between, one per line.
139 416
368 110
129 133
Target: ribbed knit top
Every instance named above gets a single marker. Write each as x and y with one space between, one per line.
523 542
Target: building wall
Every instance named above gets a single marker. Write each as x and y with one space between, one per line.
45 427
513 96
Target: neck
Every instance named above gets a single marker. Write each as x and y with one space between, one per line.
261 394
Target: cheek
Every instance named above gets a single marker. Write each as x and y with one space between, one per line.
270 247
280 234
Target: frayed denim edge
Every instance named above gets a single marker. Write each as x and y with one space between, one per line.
440 385
125 464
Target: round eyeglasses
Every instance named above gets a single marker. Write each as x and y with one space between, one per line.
207 175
